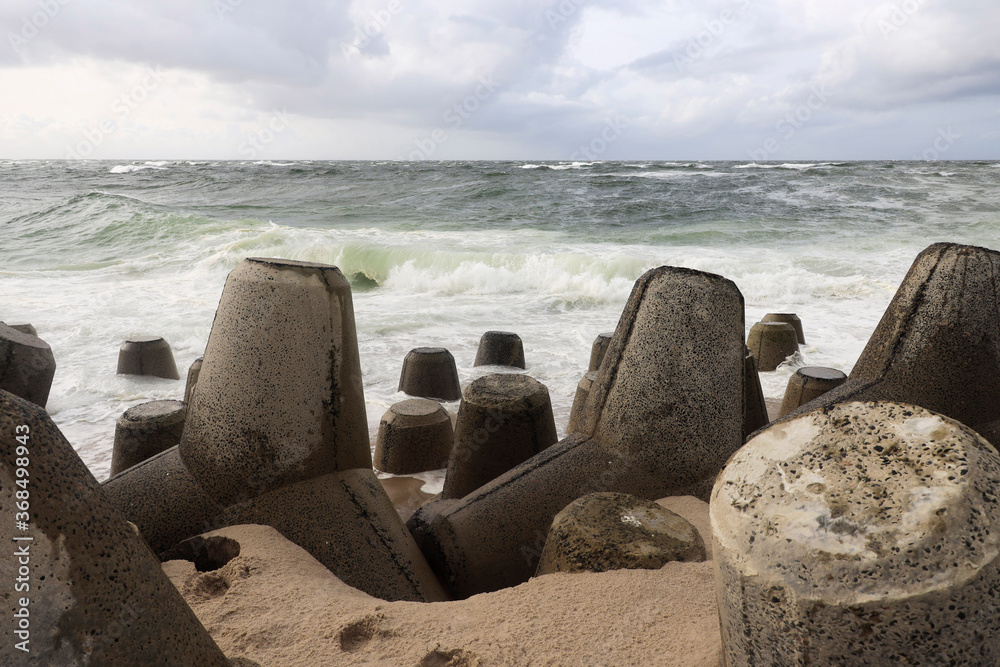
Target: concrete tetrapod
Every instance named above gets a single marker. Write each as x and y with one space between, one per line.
860 534
788 318
597 350
771 343
664 414
93 593
500 348
809 382
277 434
414 435
504 419
580 402
192 379
430 372
26 365
147 356
938 343
145 430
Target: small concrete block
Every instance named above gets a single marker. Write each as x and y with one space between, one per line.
192 379
27 365
597 350
580 402
500 348
787 318
860 534
430 372
771 343
809 382
617 531
755 406
146 430
414 436
504 419
147 356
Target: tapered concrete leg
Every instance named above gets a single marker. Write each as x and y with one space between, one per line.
938 343
27 365
147 356
145 430
664 414
93 593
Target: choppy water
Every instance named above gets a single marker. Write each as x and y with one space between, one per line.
95 252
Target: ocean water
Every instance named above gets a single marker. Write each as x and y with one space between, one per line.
94 252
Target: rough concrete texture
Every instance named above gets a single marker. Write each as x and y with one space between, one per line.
860 534
192 379
347 522
938 343
414 436
809 382
344 521
146 430
788 318
771 343
597 350
755 405
504 419
279 396
95 593
163 500
430 372
580 402
617 531
500 348
147 356
27 365
664 414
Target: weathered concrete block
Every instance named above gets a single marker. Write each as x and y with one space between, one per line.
580 402
413 436
504 419
788 318
771 343
430 372
279 397
809 382
192 379
860 534
617 531
26 365
755 406
938 343
147 356
277 435
94 594
664 414
597 350
146 430
500 348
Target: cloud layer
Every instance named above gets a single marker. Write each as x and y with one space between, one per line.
566 79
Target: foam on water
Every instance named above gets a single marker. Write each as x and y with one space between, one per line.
440 253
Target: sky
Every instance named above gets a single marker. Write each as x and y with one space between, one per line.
500 79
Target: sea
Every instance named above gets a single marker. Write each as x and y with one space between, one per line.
95 252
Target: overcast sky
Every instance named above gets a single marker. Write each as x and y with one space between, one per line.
498 79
